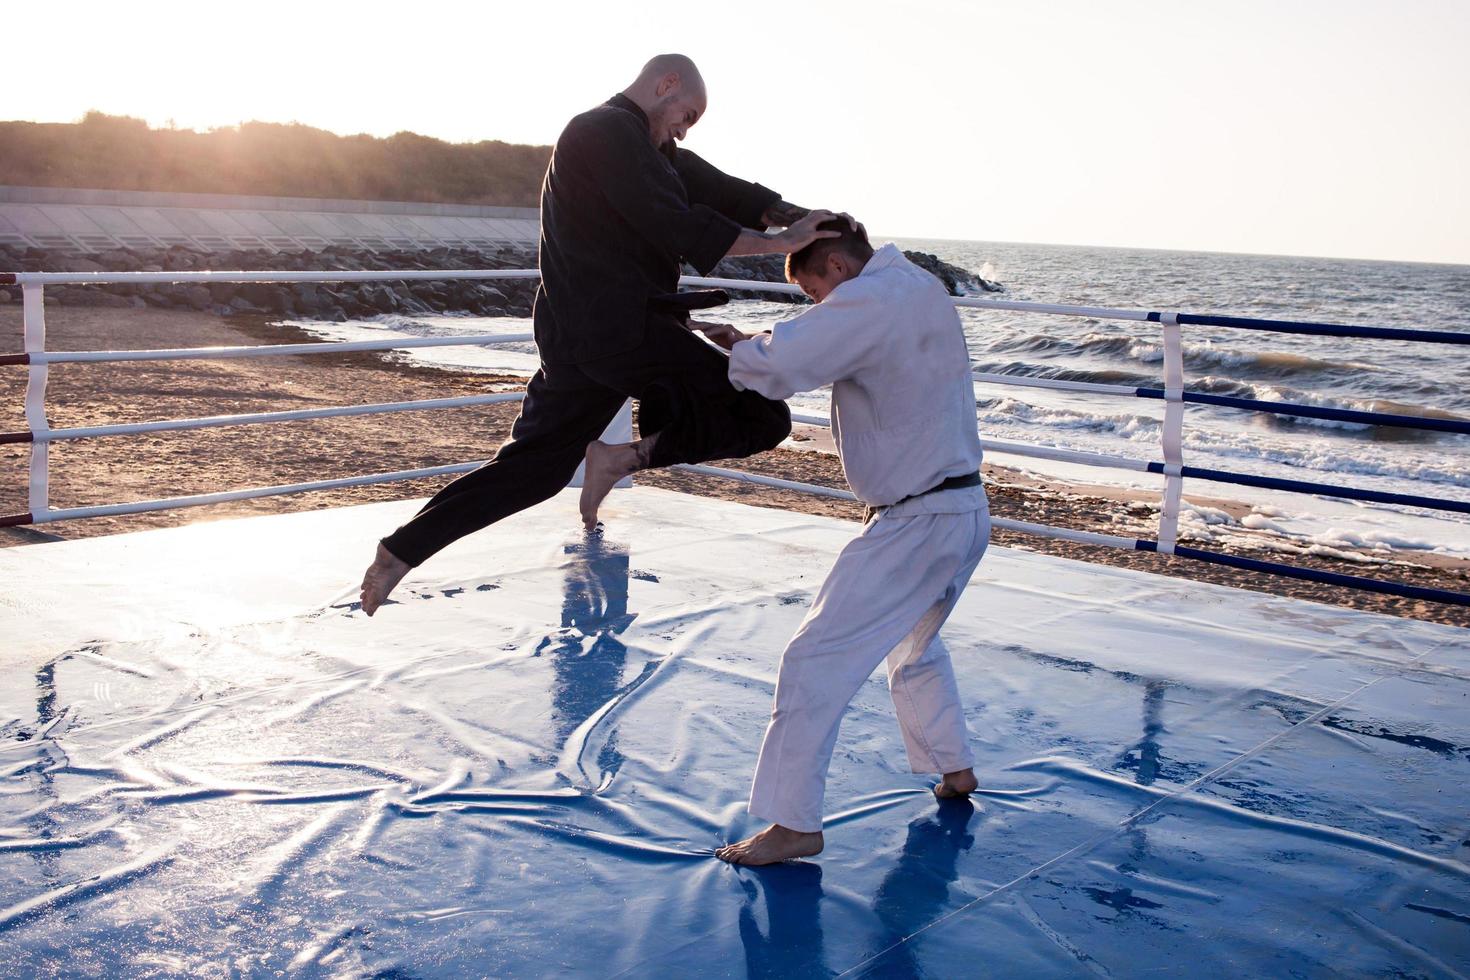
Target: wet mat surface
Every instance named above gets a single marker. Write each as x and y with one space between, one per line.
521 768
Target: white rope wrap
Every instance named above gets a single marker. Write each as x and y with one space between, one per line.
34 314
1173 434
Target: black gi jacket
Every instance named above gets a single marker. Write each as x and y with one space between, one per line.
618 216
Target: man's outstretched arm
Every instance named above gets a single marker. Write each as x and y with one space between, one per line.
751 205
742 201
798 236
784 214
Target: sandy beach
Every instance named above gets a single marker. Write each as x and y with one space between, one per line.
100 471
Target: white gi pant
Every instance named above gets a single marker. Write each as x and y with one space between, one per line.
888 594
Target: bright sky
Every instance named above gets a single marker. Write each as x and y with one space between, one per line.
1311 127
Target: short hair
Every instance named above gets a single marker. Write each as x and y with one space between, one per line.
851 242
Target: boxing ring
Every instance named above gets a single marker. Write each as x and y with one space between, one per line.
215 764
1174 395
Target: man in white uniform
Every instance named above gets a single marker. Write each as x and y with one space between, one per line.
885 335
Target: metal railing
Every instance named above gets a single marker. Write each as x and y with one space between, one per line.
40 435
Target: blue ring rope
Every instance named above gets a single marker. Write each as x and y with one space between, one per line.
1311 574
1314 412
1329 578
1319 329
1325 489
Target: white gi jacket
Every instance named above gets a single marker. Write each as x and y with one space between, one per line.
903 403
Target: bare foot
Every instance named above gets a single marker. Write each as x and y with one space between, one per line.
956 785
605 466
386 571
772 845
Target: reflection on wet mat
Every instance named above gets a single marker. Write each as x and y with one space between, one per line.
523 766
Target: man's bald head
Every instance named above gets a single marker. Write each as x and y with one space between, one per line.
662 66
670 91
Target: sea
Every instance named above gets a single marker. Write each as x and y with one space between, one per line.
1370 375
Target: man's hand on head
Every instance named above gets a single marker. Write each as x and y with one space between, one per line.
805 231
720 334
853 223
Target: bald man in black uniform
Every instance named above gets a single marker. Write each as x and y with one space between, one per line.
622 206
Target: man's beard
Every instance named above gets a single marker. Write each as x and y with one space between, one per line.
658 121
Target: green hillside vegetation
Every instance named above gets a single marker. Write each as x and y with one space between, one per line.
292 160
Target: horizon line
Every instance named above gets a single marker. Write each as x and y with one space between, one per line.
1188 251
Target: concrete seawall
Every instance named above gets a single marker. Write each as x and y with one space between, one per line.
66 219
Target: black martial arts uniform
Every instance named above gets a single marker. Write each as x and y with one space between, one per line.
618 215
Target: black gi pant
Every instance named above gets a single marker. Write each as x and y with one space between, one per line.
684 395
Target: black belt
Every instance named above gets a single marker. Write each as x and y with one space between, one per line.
948 483
682 304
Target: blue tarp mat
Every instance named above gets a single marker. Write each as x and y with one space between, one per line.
213 767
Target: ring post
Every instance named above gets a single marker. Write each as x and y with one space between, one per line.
1173 433
34 313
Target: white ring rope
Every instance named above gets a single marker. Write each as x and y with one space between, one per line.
751 285
1042 530
296 415
272 350
1055 309
203 499
1063 455
341 275
741 476
1027 449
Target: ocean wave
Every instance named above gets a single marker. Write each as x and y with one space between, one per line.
1236 388
1279 364
1003 410
1110 376
1327 459
1222 446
